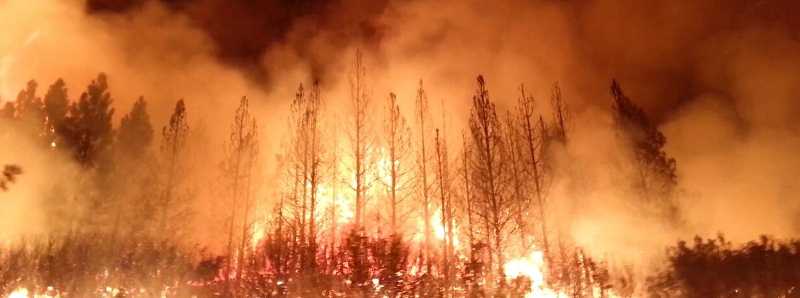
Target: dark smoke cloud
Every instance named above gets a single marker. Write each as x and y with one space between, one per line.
653 47
243 31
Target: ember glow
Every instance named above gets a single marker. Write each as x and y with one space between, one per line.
157 148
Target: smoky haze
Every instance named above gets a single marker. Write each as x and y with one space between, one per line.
719 77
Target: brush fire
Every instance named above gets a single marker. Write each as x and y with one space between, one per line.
537 149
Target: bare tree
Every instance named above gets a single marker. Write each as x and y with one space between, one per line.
173 151
359 138
534 150
242 152
307 156
467 204
334 182
490 181
422 160
398 143
518 179
446 207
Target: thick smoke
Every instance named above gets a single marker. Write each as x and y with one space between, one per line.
720 77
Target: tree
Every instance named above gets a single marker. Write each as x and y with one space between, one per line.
518 178
655 172
134 173
174 137
306 156
88 132
467 204
535 148
360 141
422 117
446 207
488 164
56 105
398 144
8 111
135 133
242 158
30 109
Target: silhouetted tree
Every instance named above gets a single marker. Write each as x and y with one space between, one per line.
446 208
135 133
495 208
173 151
242 157
467 203
518 179
134 173
88 131
422 117
56 105
306 156
398 144
360 140
8 111
655 174
30 110
716 268
534 138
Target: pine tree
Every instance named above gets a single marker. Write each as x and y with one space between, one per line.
306 163
489 165
135 133
534 139
56 105
173 151
655 172
88 132
30 110
446 207
134 172
518 178
422 118
359 138
8 111
398 145
242 157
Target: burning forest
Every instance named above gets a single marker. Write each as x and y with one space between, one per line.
161 148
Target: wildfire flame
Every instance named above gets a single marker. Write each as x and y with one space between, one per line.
532 267
25 293
19 293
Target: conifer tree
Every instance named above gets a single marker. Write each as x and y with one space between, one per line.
56 105
655 176
173 151
398 145
89 132
489 166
